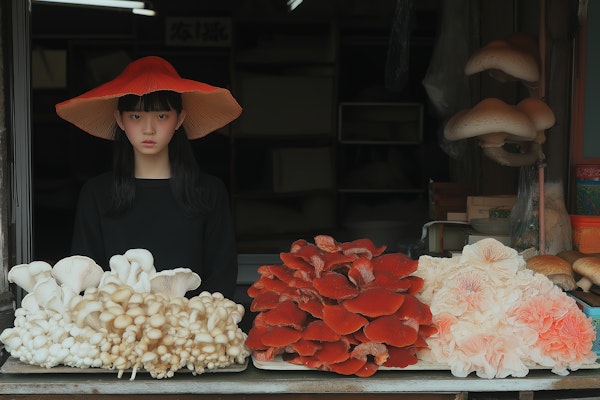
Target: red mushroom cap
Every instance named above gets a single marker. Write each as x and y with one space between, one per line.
416 284
414 309
374 302
287 314
327 244
255 334
361 272
334 260
308 361
333 352
401 357
335 286
264 301
387 280
297 245
319 331
305 347
284 274
297 263
280 336
348 367
377 350
341 320
264 284
398 264
368 369
362 247
312 306
391 330
427 330
267 354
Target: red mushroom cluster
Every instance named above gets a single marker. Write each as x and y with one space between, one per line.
346 307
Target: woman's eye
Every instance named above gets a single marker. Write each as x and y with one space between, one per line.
162 116
135 116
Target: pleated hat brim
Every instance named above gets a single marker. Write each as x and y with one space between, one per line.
208 107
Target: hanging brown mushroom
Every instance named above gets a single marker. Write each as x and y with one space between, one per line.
514 58
531 150
493 121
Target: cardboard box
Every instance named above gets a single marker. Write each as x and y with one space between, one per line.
448 197
479 206
456 216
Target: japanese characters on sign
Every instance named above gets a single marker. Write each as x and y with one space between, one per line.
198 31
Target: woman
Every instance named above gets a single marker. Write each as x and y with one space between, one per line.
156 197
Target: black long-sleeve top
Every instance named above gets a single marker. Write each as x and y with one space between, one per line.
204 244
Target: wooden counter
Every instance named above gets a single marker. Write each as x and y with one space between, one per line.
258 384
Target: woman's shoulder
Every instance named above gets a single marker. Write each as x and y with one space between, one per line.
209 180
97 186
213 187
101 181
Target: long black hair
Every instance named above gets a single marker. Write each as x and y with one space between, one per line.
184 168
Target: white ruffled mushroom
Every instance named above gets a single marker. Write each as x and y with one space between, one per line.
175 282
49 296
26 276
77 273
135 269
143 257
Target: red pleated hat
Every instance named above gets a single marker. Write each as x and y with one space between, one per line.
208 107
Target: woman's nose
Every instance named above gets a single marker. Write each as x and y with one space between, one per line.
148 126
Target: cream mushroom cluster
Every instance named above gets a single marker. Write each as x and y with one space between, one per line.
496 123
129 318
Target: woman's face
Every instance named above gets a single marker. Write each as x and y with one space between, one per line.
149 131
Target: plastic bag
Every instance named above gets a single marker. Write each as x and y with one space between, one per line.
397 63
525 214
445 82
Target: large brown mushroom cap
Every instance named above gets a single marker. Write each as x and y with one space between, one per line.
493 121
557 269
570 256
513 58
542 116
589 269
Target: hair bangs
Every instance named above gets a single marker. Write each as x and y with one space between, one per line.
164 100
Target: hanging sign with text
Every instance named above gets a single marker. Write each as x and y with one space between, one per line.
198 31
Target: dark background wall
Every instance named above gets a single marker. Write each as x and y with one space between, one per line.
365 40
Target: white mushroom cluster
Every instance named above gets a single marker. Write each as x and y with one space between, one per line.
130 317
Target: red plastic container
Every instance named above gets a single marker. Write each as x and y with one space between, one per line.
586 233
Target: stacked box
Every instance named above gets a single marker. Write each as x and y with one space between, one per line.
589 303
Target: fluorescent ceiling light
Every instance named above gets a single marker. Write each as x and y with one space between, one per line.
99 3
292 4
137 7
144 11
